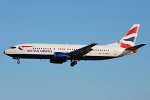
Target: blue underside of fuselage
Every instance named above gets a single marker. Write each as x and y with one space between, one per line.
38 56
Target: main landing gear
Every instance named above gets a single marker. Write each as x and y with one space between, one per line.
73 63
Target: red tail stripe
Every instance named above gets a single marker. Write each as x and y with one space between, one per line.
124 45
134 30
134 51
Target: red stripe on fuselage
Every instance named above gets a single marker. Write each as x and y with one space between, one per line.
25 46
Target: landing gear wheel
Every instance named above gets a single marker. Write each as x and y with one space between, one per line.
18 62
73 63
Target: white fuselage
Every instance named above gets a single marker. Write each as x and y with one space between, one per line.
46 51
60 53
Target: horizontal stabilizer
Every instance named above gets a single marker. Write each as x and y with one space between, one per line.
136 47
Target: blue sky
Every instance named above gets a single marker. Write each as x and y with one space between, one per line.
74 22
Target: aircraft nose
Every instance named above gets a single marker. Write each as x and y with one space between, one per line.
4 52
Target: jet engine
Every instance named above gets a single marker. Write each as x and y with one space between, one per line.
59 58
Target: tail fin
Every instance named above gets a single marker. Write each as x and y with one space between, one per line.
130 37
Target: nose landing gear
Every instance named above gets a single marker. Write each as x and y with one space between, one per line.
73 63
18 62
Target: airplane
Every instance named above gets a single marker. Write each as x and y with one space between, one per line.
60 53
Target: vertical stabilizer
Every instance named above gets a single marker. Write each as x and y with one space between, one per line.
130 37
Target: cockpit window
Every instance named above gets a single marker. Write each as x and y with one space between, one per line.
12 47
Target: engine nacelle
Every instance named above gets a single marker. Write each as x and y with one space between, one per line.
57 61
59 58
60 55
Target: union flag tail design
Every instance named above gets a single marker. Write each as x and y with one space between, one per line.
130 37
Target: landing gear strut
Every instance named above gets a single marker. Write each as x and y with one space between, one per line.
18 62
73 63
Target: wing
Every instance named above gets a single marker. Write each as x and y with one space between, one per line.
81 51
